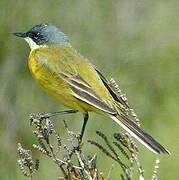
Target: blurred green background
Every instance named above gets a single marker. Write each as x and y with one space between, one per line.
135 42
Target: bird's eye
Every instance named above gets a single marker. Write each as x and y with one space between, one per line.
35 36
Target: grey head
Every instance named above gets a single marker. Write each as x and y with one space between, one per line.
43 34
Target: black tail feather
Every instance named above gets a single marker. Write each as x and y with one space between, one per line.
144 138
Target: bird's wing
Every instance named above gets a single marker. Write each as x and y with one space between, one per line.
66 63
83 91
128 123
107 84
122 106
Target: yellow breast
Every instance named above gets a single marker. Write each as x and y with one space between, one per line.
44 76
53 84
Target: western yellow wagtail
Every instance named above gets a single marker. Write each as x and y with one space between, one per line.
76 83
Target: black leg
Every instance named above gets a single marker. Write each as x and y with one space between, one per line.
43 115
86 117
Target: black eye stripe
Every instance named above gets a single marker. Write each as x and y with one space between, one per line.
37 37
33 35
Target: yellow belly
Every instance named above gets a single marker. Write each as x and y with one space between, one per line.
56 86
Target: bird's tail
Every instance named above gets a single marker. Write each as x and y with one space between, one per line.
134 130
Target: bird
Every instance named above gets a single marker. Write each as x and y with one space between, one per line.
76 83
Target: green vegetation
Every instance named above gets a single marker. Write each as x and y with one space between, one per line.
135 42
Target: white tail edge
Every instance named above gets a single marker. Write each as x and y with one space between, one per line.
133 134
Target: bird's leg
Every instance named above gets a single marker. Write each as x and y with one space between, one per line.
85 120
44 115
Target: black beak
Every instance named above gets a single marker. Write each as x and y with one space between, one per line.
19 34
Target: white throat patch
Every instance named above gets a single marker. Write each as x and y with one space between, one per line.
31 43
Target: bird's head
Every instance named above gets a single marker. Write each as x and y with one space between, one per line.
43 34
